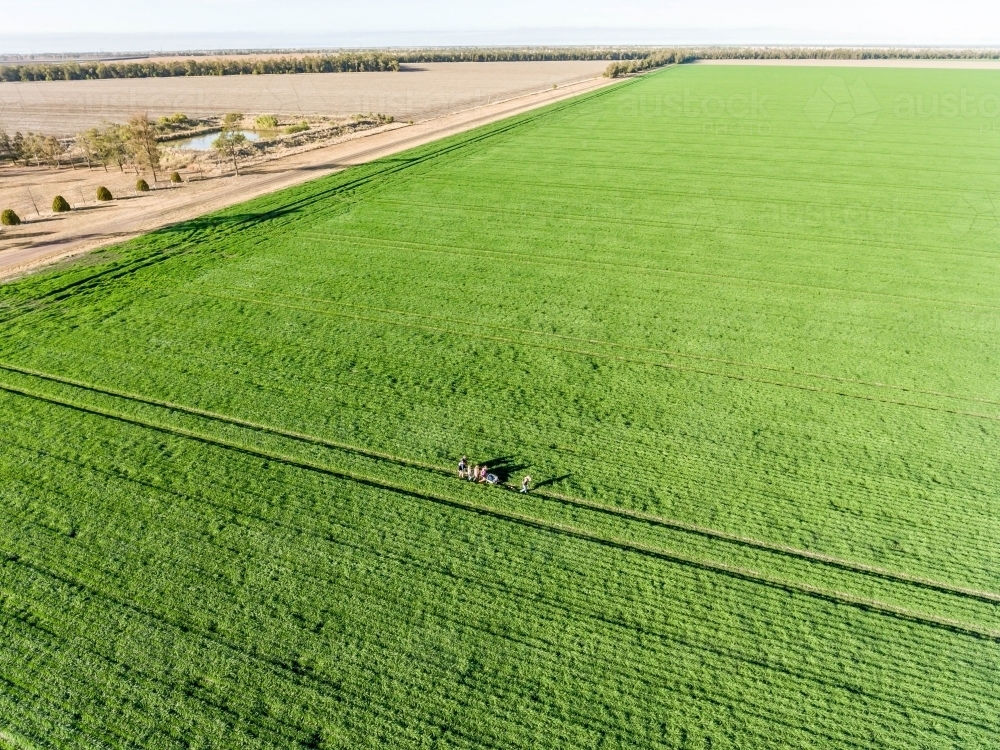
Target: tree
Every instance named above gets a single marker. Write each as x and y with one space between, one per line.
143 144
52 149
231 143
113 144
42 148
29 147
91 146
231 146
9 219
6 146
60 204
17 148
103 194
142 186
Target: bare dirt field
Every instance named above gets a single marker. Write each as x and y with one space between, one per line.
46 237
958 64
417 92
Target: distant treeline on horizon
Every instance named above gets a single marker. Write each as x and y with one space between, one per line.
219 66
625 60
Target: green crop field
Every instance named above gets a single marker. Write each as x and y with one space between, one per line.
739 324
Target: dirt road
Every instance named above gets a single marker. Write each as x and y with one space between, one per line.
51 237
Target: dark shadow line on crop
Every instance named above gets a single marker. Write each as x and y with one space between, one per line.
565 607
504 470
747 575
801 555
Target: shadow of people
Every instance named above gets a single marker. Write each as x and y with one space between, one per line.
550 482
504 467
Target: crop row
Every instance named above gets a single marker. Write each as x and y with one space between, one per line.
620 511
370 386
927 520
258 293
737 570
241 545
632 360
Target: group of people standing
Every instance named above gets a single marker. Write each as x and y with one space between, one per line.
483 475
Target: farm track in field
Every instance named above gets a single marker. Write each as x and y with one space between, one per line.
846 565
204 500
602 355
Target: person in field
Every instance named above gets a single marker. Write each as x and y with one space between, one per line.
474 474
463 467
483 470
525 484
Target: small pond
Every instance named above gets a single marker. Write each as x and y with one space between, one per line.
204 142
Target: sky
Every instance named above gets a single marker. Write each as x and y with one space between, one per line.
36 26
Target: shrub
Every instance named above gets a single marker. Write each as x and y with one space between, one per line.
60 205
103 194
9 219
297 128
176 121
266 122
142 186
175 177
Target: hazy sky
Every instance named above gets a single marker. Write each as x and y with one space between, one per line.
49 24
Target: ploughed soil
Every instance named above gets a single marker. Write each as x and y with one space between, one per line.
417 92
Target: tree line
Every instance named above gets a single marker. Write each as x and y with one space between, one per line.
840 53
231 66
661 57
637 59
653 56
522 54
132 145
655 60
